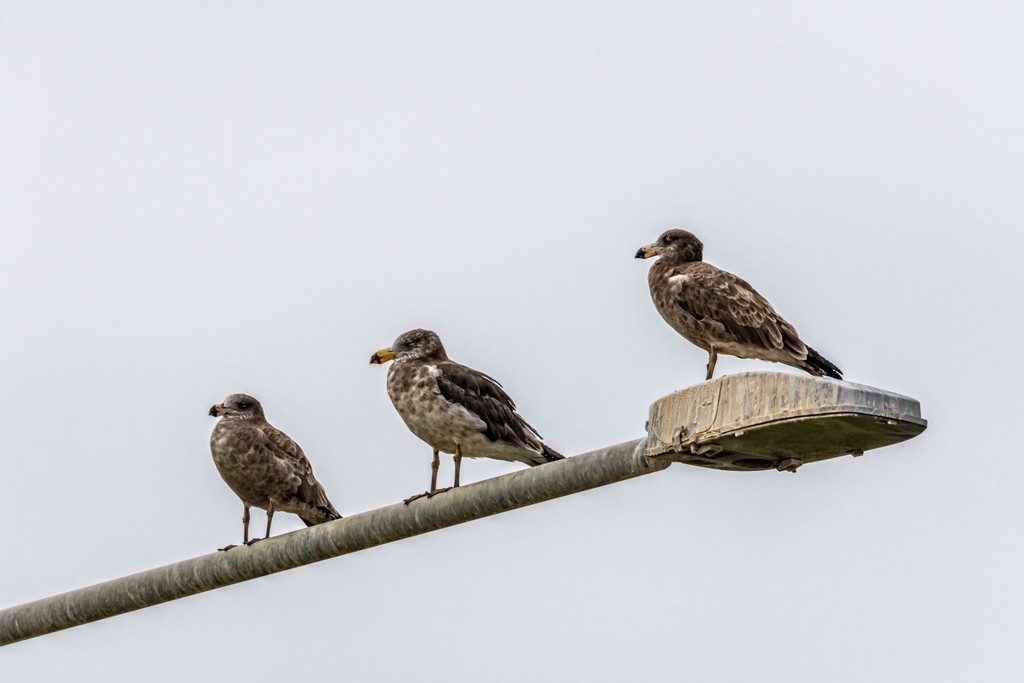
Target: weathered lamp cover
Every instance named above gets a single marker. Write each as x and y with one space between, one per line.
776 420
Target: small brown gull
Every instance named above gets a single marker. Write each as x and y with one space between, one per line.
264 467
720 312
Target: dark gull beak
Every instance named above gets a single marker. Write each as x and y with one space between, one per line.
215 411
647 251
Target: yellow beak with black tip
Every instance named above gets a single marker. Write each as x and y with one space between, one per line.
648 250
381 357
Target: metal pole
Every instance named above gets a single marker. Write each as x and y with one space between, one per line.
358 532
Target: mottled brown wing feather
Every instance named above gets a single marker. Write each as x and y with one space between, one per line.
743 315
309 489
483 396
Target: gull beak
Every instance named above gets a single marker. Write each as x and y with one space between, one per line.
215 410
648 250
381 357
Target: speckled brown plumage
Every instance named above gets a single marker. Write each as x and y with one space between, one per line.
719 312
263 466
457 409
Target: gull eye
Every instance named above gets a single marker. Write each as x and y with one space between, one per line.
244 405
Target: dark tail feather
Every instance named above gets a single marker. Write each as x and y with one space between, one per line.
817 364
329 514
550 454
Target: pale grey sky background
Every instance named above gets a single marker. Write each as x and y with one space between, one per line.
202 198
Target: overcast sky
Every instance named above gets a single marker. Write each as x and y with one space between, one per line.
204 198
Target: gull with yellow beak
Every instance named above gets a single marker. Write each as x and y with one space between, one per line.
720 312
264 467
456 409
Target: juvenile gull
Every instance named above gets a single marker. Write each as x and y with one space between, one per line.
264 467
720 312
456 409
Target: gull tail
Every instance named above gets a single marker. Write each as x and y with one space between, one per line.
817 364
549 454
324 513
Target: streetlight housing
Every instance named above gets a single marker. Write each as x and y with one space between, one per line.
776 421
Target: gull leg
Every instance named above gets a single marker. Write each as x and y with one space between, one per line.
434 464
245 528
712 359
458 463
270 518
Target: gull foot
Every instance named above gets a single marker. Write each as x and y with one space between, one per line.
226 548
426 494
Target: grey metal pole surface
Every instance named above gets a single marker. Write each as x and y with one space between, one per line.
358 532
